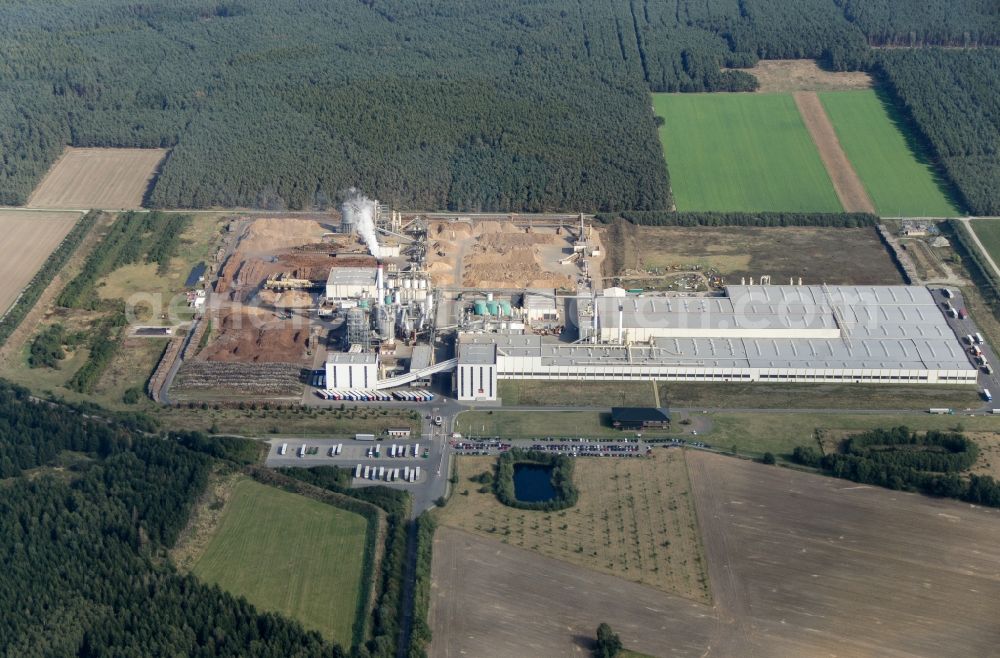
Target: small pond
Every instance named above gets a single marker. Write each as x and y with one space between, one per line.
533 483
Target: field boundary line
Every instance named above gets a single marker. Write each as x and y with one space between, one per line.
847 184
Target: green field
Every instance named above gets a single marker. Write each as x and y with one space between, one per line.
900 181
741 152
291 555
988 232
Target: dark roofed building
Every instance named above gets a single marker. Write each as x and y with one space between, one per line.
639 418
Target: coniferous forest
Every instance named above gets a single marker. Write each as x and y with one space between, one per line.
87 511
472 105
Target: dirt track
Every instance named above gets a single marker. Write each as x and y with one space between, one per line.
850 190
800 565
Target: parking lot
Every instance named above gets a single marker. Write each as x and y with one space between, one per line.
380 456
964 326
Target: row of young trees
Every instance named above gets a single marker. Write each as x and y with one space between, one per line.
501 105
82 548
898 458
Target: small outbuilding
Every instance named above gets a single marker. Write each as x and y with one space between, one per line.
639 418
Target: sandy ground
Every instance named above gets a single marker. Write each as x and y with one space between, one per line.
268 234
776 75
846 183
498 254
111 179
26 240
800 565
256 335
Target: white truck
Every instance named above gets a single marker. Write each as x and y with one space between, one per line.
283 449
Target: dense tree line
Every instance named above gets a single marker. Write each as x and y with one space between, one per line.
665 218
499 105
231 448
929 22
930 463
421 635
566 493
82 549
952 102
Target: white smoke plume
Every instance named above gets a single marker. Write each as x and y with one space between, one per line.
360 211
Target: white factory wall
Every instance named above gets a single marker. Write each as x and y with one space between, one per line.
477 382
644 334
347 290
351 375
509 367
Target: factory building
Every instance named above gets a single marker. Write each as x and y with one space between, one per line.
346 370
350 283
886 334
476 372
540 308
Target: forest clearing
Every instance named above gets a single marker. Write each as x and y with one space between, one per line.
104 178
289 554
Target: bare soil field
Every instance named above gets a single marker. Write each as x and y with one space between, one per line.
491 598
846 183
499 254
252 335
26 240
800 565
634 519
776 75
818 255
111 179
808 565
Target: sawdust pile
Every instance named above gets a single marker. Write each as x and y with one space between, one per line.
505 256
287 298
252 335
270 233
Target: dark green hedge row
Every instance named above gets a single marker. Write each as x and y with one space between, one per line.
942 452
905 470
230 448
562 479
665 218
421 634
44 277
